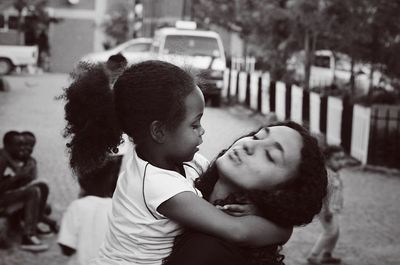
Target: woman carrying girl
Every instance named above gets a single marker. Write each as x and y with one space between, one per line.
159 107
279 169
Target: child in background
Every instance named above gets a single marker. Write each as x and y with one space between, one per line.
30 141
85 222
15 175
321 253
159 106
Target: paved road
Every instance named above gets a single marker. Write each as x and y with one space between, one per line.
370 230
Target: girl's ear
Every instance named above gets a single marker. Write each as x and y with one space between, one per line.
157 131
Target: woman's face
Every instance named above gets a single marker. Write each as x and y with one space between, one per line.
262 161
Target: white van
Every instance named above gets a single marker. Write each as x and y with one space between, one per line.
199 50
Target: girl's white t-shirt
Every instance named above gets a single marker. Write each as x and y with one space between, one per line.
138 234
83 227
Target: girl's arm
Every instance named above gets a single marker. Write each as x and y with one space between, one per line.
196 213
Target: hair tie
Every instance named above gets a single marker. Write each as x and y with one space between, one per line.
115 150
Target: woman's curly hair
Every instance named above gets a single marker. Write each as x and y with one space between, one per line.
293 203
92 124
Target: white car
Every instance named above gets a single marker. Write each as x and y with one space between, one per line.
134 50
201 50
12 56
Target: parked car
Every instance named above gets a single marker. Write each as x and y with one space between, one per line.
12 56
134 50
329 66
200 50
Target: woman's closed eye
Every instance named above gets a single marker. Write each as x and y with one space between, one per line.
268 155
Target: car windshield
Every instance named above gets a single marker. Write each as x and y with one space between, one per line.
191 45
322 61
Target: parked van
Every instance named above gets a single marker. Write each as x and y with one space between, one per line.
200 50
329 67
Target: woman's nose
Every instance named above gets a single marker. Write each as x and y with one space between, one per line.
202 131
248 147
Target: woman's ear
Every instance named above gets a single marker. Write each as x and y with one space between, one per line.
157 131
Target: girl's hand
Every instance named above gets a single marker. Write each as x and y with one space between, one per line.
239 209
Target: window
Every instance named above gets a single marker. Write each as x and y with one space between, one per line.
138 47
322 61
12 22
191 45
2 22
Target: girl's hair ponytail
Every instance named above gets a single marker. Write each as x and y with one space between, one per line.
92 124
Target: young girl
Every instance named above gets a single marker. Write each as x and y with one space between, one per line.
159 106
85 222
321 252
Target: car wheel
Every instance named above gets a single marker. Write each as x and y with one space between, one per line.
5 66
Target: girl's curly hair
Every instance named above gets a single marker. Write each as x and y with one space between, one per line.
92 123
96 115
293 203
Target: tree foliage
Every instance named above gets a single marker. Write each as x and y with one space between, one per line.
367 30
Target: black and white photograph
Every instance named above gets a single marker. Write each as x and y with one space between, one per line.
199 132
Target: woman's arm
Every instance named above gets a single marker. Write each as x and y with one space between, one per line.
193 212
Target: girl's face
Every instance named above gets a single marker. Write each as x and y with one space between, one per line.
262 161
183 141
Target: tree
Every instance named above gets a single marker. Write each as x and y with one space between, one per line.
263 24
367 30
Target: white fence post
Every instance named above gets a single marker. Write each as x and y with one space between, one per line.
233 89
265 83
296 112
224 92
334 121
315 112
280 100
254 90
242 87
360 133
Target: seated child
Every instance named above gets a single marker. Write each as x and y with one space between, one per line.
30 141
15 195
85 222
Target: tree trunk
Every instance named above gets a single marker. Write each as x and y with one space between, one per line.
334 68
310 43
19 29
352 80
307 60
371 80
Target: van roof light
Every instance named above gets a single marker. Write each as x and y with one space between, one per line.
180 24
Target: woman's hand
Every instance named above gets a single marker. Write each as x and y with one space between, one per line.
239 209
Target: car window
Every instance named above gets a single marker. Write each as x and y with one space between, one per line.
138 47
191 45
342 64
322 61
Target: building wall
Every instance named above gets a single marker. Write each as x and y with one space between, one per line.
77 34
69 41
